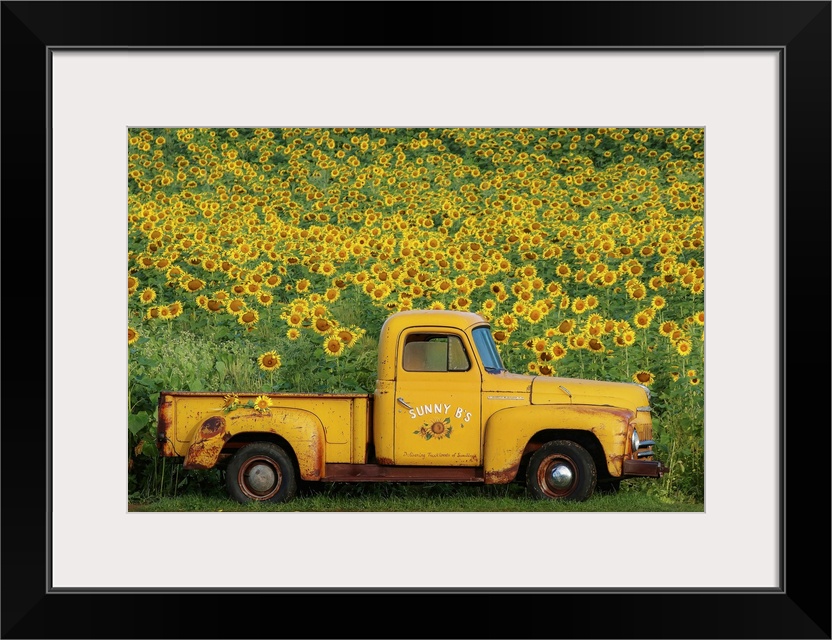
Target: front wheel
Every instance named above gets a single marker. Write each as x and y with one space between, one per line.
561 470
261 471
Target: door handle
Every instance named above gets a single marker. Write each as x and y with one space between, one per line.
403 403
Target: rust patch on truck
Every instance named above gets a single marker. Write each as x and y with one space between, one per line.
164 425
213 426
203 453
502 476
623 414
253 414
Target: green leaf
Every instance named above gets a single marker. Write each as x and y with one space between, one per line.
137 421
446 420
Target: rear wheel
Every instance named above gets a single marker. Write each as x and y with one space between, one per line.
261 471
561 470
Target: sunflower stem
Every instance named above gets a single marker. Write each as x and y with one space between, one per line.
626 363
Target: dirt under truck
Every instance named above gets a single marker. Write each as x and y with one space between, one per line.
444 410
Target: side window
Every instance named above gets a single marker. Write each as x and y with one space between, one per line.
434 352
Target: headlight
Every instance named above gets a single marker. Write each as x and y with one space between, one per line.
635 440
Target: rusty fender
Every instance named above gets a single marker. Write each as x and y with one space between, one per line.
508 432
301 429
164 427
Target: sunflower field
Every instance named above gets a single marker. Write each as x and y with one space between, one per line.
266 260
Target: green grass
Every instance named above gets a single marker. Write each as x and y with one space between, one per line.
426 498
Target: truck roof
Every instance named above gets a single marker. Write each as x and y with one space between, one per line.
396 323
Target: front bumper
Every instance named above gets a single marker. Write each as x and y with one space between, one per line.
644 468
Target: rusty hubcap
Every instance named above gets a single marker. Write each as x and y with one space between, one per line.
259 478
557 475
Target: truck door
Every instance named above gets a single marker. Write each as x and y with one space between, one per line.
438 393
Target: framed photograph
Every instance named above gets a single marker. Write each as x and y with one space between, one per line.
753 77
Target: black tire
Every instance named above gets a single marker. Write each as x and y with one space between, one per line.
261 471
561 470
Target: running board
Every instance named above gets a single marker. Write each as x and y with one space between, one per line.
379 473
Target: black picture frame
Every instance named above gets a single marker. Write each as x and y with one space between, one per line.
799 608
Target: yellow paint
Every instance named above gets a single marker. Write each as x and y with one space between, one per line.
318 428
437 417
509 431
434 404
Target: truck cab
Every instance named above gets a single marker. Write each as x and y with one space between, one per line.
444 398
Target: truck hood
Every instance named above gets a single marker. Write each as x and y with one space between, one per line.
546 390
576 391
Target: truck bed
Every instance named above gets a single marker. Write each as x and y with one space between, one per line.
345 418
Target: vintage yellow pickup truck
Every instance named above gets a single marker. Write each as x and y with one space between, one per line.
444 410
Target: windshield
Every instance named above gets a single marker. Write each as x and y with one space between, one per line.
488 350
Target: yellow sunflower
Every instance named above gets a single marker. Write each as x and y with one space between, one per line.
262 404
595 345
235 306
683 347
508 321
539 345
322 326
132 335
658 302
437 430
333 347
147 296
642 320
248 318
192 284
667 327
579 305
644 377
566 327
347 337
269 361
